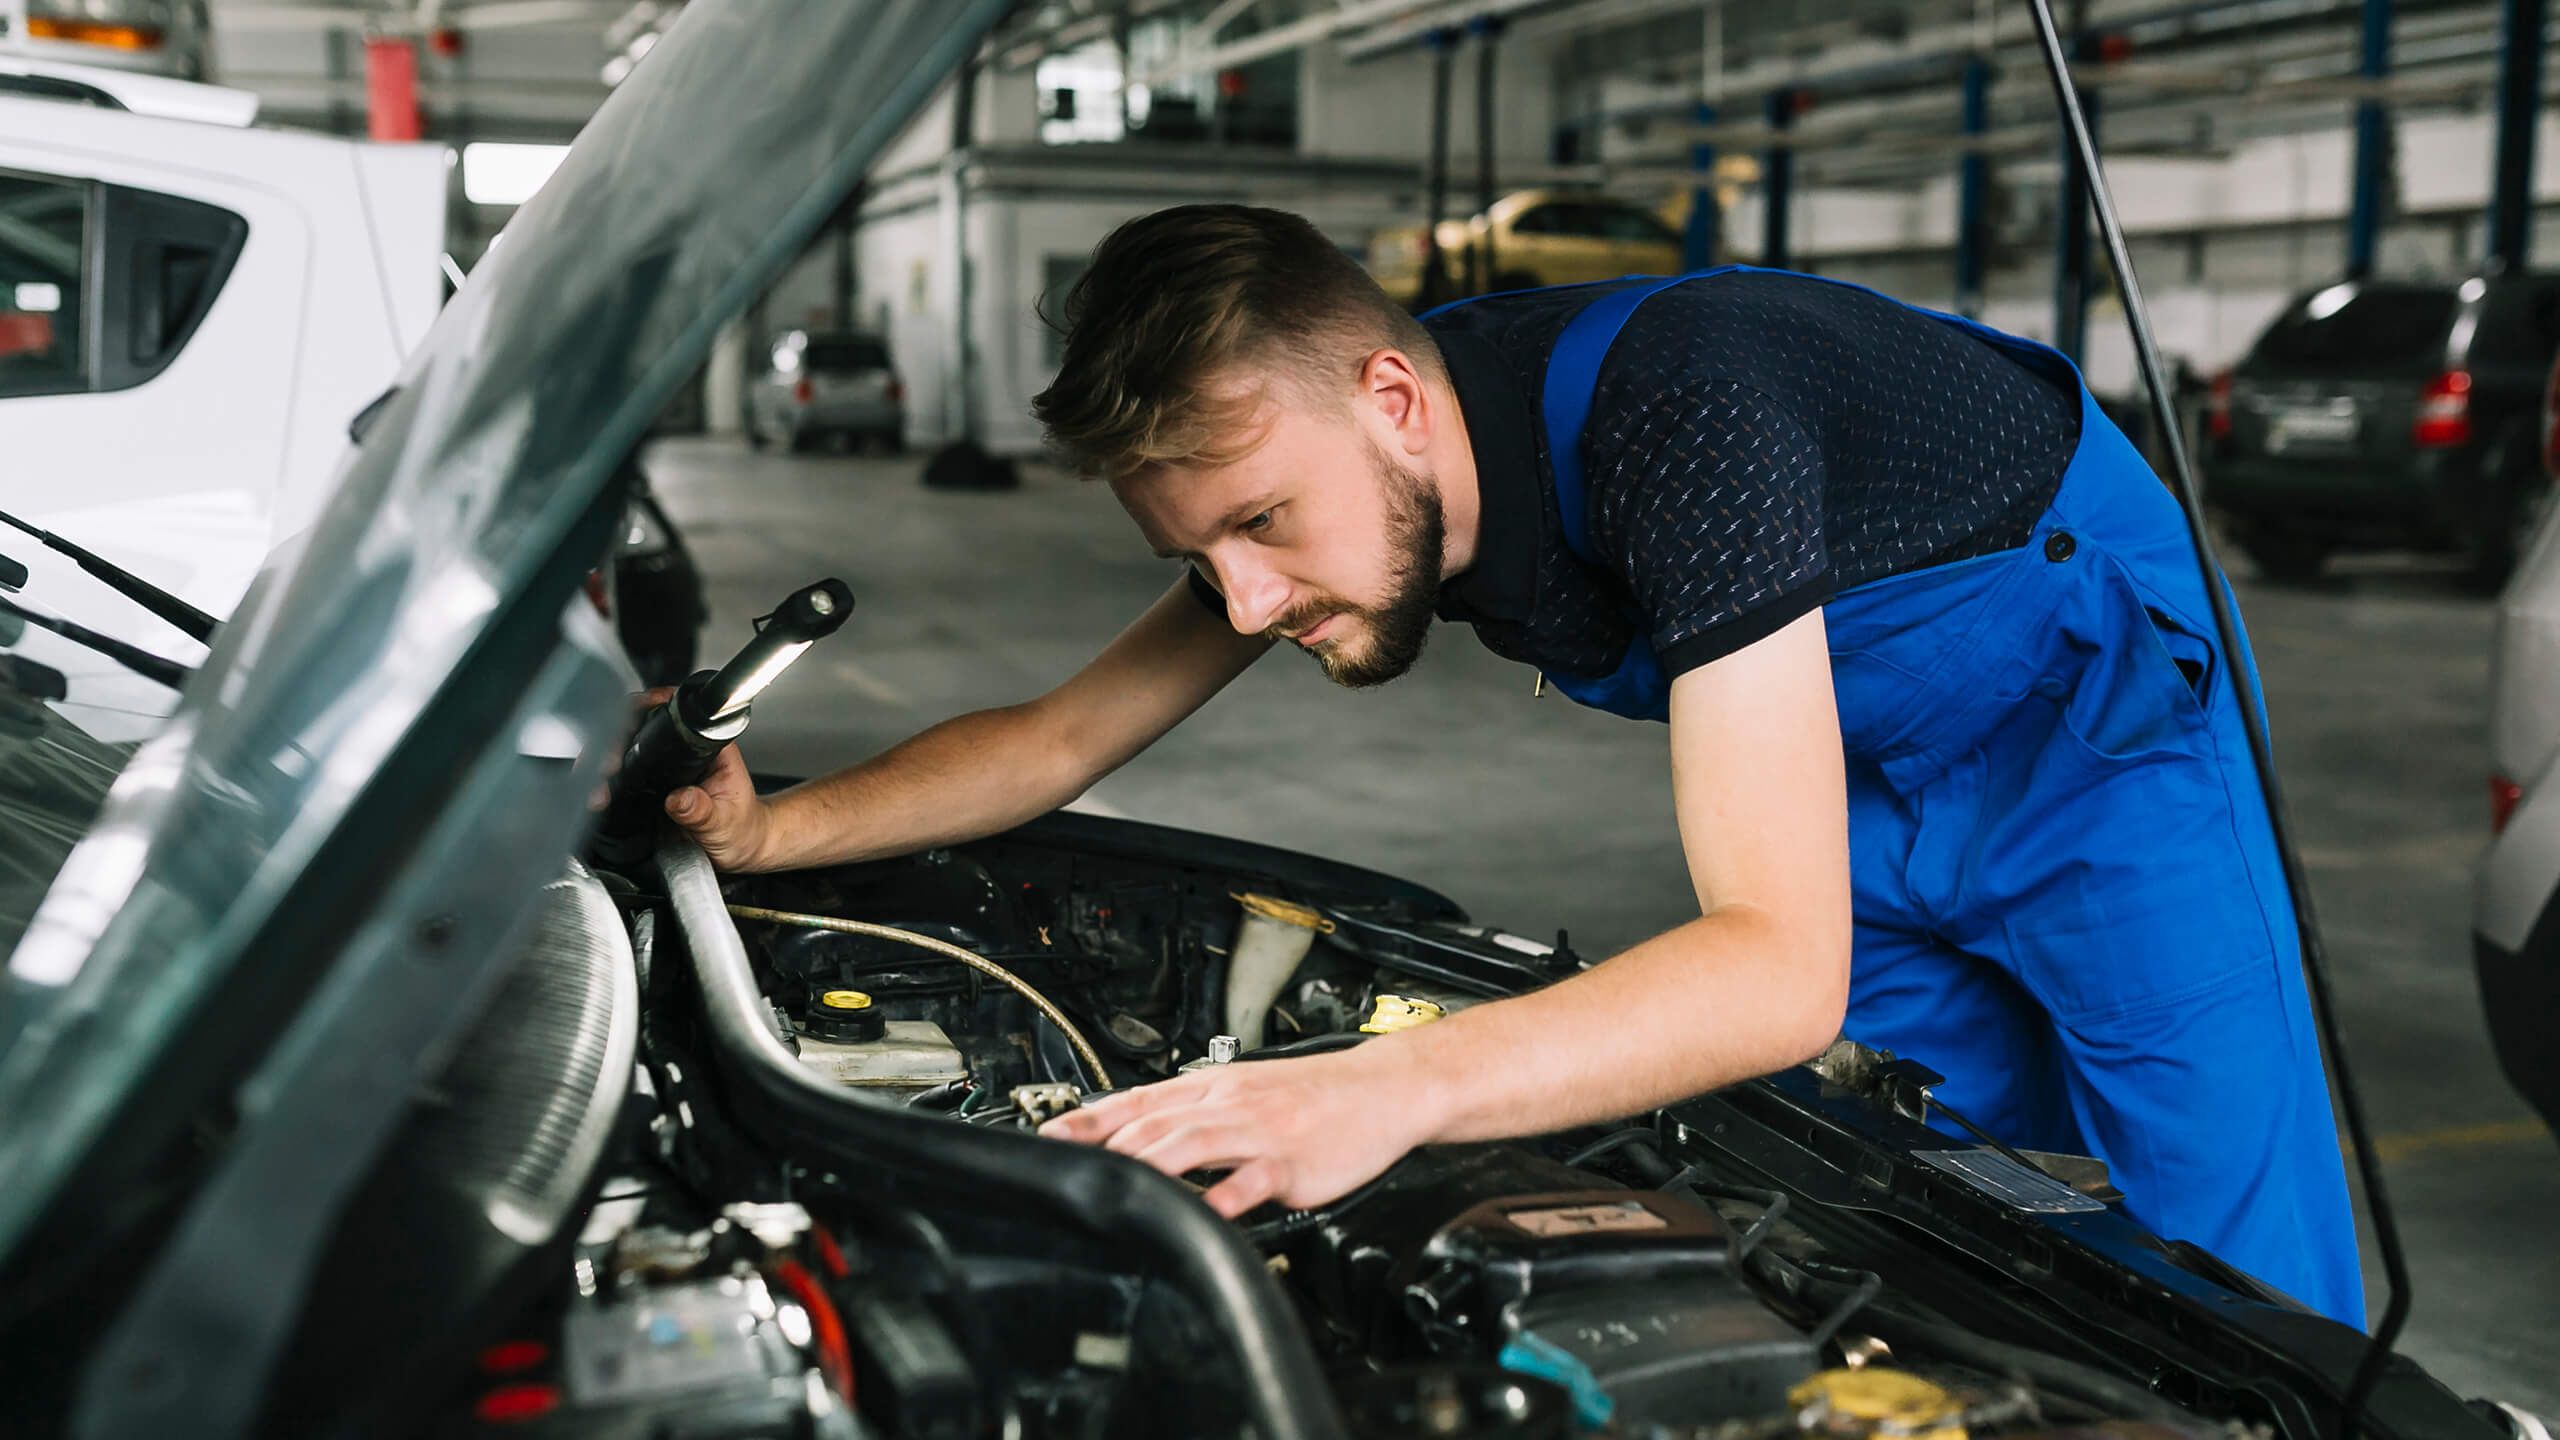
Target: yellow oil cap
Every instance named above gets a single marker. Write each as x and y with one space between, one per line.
1398 1012
1876 1402
845 1000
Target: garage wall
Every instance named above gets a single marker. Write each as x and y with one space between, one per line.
1381 108
2221 244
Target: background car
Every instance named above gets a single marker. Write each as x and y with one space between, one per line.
195 315
1528 239
826 384
2386 415
2516 913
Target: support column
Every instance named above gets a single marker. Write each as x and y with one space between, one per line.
1436 288
1777 182
1700 238
1973 190
2373 145
2071 230
391 88
2520 28
1480 260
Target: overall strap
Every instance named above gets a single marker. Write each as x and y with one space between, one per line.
1573 372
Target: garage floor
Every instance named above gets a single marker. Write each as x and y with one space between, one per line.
1538 815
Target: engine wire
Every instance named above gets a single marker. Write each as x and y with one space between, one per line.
1048 1008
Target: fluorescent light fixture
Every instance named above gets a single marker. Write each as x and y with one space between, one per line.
37 297
494 173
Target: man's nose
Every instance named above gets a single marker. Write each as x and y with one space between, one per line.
1256 598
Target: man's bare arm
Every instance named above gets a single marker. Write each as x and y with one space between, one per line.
982 772
1758 982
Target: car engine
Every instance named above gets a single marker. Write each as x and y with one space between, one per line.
740 1276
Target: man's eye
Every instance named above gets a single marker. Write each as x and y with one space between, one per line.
1261 521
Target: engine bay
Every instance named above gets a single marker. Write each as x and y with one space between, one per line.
861 1270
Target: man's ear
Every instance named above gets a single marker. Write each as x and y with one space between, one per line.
1389 381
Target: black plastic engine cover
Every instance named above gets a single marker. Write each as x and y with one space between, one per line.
1353 1269
1679 1353
1483 1265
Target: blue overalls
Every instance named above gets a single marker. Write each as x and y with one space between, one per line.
2066 891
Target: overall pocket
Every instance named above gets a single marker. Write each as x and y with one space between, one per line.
2138 682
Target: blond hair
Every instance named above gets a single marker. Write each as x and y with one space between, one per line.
1185 317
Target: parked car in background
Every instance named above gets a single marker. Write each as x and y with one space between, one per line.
1527 239
2389 414
827 385
2516 912
193 313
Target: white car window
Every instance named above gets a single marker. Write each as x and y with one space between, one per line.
44 261
102 285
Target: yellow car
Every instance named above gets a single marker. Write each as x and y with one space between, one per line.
1530 238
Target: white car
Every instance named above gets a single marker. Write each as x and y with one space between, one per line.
191 310
2516 914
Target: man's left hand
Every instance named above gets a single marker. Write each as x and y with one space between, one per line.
1299 1131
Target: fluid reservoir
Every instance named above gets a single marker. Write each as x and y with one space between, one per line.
844 1038
1271 938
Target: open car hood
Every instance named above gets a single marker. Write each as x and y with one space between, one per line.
440 568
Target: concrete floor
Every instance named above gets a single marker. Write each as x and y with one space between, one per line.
1537 814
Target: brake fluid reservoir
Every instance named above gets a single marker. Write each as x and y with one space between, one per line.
844 1039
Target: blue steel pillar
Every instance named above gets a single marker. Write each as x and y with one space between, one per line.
1973 185
1777 181
1699 238
2373 145
2519 111
2071 231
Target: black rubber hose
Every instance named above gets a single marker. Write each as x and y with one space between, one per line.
1608 1144
1115 1204
1312 1045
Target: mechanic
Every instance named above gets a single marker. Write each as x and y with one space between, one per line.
1953 751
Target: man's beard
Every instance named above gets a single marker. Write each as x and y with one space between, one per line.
1396 628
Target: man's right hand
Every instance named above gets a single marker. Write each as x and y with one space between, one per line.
723 814
979 773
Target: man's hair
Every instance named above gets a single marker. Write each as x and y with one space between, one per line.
1177 330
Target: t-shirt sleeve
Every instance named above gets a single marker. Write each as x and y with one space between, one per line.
1206 593
1707 507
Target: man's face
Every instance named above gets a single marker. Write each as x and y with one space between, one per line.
1321 537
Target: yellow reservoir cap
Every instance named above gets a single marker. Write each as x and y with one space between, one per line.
845 1000
1399 1012
1287 912
1876 1402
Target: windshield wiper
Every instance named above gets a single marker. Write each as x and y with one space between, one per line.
132 657
197 624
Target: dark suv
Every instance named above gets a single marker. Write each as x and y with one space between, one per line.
2388 414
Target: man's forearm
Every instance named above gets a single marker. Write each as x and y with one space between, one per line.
969 776
1723 998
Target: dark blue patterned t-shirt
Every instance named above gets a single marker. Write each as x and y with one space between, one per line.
1757 443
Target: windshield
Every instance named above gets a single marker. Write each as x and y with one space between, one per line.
2350 327
472 490
53 779
844 354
